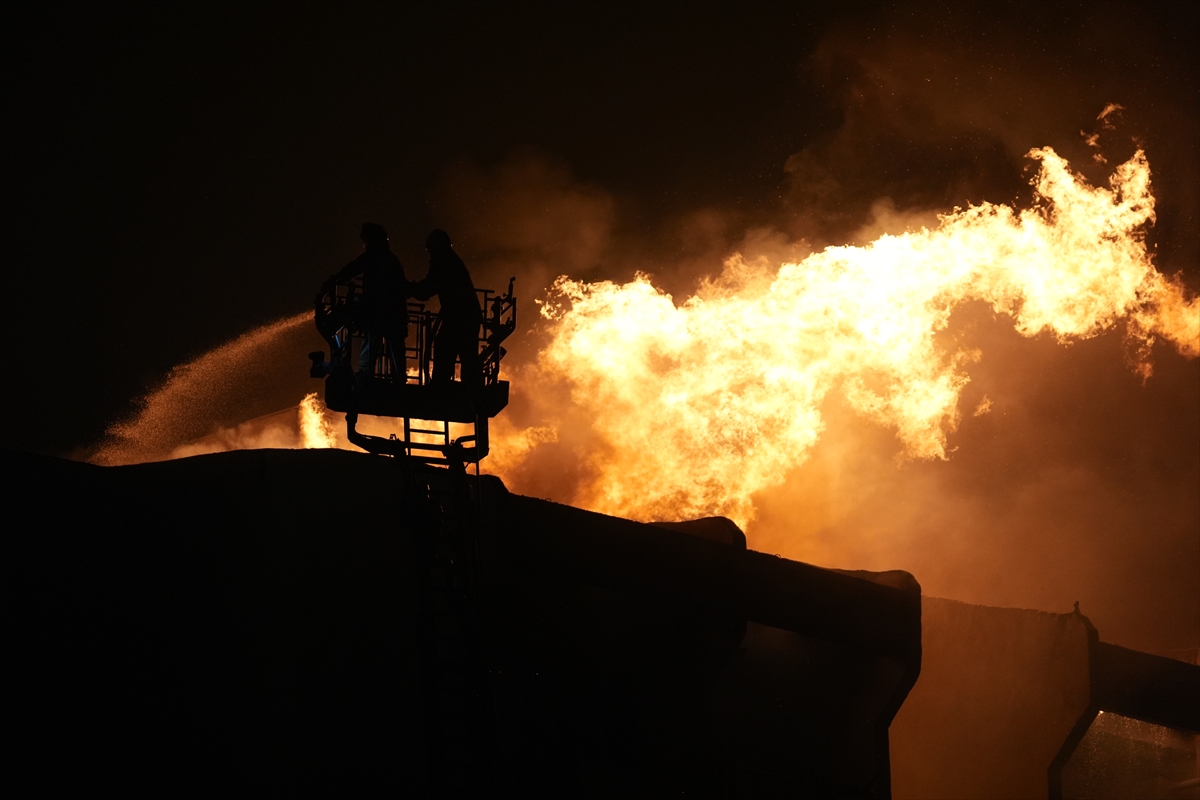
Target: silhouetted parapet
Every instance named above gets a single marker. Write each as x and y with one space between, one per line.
1140 733
716 529
1159 690
228 620
828 604
1006 695
255 618
802 702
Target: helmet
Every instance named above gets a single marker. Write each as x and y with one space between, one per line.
373 233
437 240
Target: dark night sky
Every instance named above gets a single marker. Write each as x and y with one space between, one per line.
181 177
176 178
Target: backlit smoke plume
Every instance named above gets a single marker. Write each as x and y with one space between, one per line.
694 407
1069 477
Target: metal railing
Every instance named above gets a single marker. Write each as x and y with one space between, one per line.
344 322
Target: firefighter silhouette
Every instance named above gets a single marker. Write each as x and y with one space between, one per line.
382 308
457 338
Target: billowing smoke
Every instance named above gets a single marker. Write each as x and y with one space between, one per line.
1068 474
652 408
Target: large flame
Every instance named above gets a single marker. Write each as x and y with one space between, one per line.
316 428
684 410
699 405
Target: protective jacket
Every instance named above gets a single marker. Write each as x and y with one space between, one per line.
384 282
449 280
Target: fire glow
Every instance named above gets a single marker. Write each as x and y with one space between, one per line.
700 405
692 408
316 429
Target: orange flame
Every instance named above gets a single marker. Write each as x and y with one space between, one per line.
316 429
699 405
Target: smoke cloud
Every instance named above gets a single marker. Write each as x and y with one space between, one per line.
1079 481
1070 476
